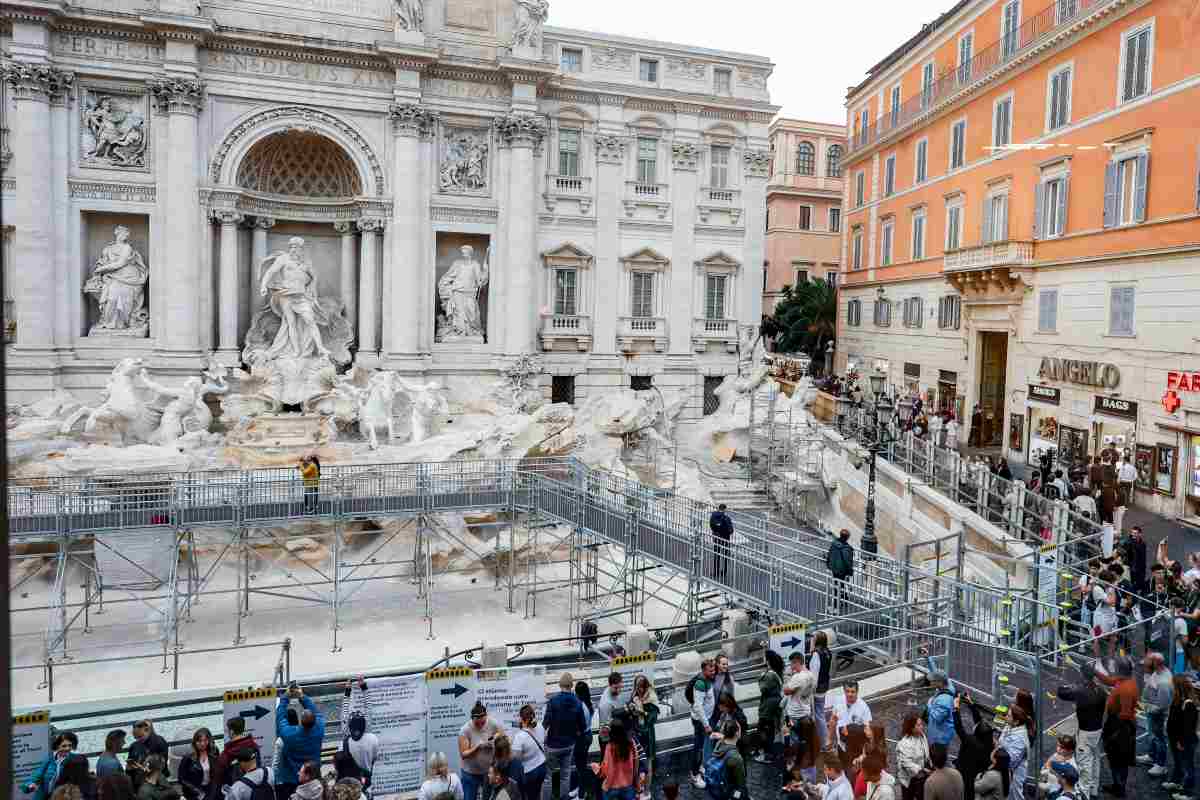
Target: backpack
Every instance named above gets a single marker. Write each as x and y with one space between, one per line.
259 791
715 784
841 563
689 690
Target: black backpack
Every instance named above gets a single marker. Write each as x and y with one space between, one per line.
841 562
259 791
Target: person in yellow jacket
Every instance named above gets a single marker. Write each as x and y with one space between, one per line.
310 472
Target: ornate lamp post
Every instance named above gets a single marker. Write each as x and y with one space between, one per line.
883 416
844 406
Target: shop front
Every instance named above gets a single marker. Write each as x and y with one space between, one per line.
1114 425
1042 410
947 393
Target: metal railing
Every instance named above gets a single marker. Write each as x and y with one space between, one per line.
1055 18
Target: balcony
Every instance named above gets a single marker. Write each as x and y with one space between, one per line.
714 331
566 332
653 196
576 188
984 256
638 333
723 199
1036 33
993 272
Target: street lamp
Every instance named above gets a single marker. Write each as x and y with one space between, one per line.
883 416
844 406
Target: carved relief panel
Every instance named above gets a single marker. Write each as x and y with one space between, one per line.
465 160
114 127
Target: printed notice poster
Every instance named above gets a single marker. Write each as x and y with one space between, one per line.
395 712
504 691
29 747
257 708
787 639
451 694
629 668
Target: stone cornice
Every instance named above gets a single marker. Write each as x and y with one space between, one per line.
176 94
267 208
465 74
330 57
43 11
416 58
412 119
521 130
179 27
37 81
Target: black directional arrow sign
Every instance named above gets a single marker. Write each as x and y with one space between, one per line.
258 712
792 642
458 690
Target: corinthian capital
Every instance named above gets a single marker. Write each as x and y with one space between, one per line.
685 156
226 216
176 95
370 225
37 81
757 163
521 130
412 119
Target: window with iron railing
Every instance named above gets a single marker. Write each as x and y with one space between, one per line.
895 112
854 313
927 85
949 312
1010 27
883 313
965 56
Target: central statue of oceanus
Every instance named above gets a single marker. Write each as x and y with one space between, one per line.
294 323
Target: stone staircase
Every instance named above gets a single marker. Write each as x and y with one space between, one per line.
743 496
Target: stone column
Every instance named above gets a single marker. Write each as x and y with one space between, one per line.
228 314
521 133
610 189
182 98
680 305
757 165
70 298
34 287
368 286
258 246
348 283
407 279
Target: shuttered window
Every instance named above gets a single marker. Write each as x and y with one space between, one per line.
1002 123
804 222
1048 310
889 177
1136 76
883 313
1050 208
714 297
953 227
885 248
922 161
854 313
995 219
1058 112
927 85
835 220
860 188
568 153
565 292
965 51
857 251
949 312
1011 28
1125 183
918 235
1120 311
642 301
958 144
914 312
895 106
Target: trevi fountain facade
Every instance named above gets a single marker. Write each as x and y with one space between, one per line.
263 200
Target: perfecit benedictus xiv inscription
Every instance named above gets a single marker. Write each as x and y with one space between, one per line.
246 64
70 44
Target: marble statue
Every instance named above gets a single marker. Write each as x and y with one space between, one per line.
294 323
114 133
458 292
464 164
119 284
530 16
410 15
186 411
137 410
426 402
516 392
375 404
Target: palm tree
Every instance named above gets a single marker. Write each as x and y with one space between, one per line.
806 318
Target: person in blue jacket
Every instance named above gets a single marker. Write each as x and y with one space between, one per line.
301 742
939 710
41 782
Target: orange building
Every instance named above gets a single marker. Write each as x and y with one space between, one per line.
1022 233
804 205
